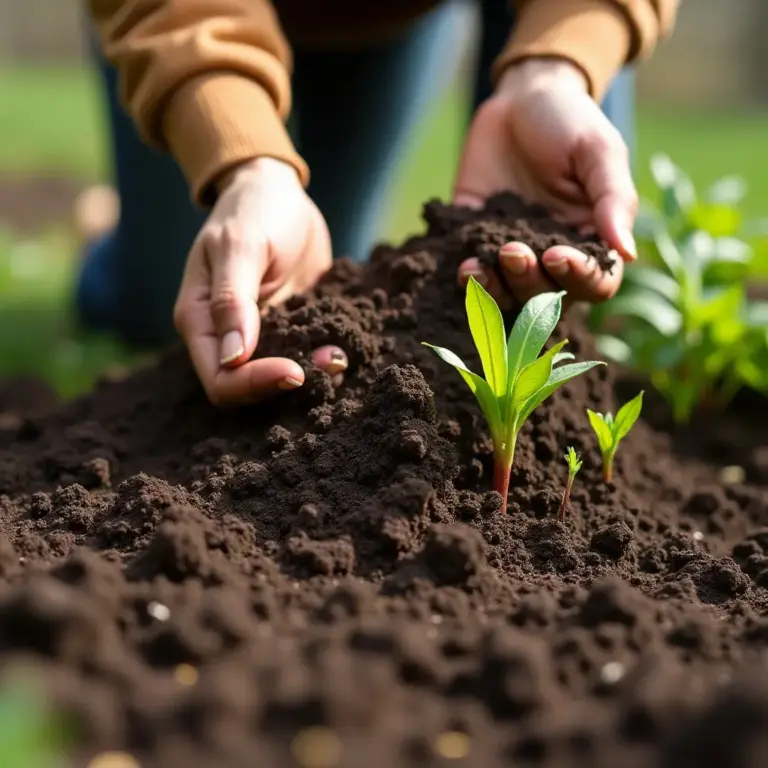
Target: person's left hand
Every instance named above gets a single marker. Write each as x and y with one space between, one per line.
543 136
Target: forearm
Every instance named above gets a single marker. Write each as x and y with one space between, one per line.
597 36
207 80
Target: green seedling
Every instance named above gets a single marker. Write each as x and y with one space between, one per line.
517 380
574 462
610 432
682 316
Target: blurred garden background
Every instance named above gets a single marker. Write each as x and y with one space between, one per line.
703 100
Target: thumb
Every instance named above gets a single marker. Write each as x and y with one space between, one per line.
602 165
237 268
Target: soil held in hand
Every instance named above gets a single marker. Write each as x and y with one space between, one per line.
325 580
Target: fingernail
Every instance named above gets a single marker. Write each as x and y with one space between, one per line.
289 383
339 363
627 242
556 264
478 274
232 347
514 261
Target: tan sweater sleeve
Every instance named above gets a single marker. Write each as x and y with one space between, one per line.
598 36
206 80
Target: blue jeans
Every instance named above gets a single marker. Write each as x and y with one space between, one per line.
351 134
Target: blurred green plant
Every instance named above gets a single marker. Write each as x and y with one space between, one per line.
682 315
31 735
38 335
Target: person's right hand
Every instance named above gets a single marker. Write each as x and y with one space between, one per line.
264 241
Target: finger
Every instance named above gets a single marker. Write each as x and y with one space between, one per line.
488 278
237 268
602 162
581 276
522 273
249 382
333 360
467 200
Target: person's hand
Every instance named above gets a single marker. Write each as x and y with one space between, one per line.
264 240
543 136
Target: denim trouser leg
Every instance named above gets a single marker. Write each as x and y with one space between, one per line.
354 111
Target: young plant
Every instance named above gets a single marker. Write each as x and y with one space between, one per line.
573 460
682 315
517 380
610 432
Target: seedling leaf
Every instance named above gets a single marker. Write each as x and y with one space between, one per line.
557 379
535 375
532 329
487 327
573 460
480 388
602 430
627 416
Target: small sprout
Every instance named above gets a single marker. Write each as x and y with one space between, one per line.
516 379
574 462
610 432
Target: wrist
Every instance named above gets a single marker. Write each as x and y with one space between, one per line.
276 170
542 72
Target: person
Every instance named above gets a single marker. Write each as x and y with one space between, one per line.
207 87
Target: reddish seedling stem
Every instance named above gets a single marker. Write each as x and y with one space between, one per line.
501 472
608 469
566 499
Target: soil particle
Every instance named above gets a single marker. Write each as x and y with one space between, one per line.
328 575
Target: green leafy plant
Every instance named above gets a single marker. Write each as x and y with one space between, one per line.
611 431
574 462
682 316
517 380
31 736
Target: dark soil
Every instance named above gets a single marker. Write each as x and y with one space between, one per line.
326 580
507 217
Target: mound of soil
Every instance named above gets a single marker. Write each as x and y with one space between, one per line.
326 580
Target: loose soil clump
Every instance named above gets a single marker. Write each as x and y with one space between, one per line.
325 579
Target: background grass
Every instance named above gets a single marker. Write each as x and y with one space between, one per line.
52 123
